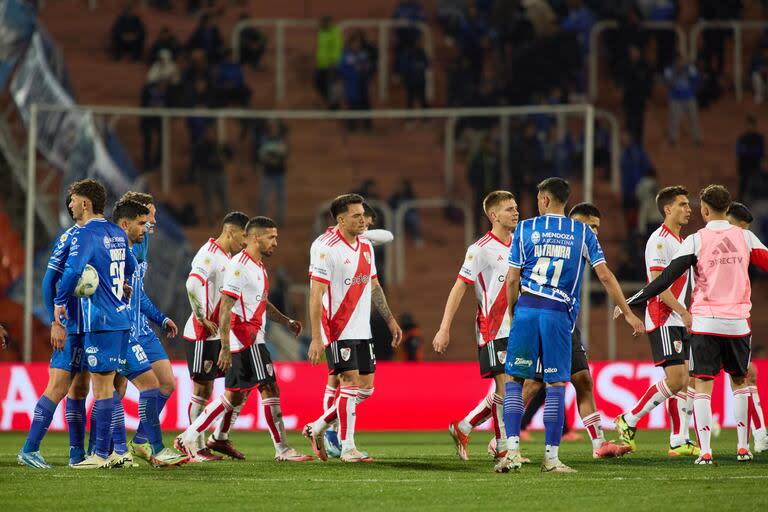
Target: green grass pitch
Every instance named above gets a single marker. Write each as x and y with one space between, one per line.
413 471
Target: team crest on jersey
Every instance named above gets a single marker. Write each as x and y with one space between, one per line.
345 353
107 242
207 366
367 257
678 346
535 237
63 238
502 355
270 370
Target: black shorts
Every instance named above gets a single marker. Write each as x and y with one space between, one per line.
710 353
347 355
578 357
492 357
669 345
251 367
202 356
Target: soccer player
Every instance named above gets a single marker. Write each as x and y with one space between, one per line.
666 318
720 304
67 375
135 366
485 269
202 331
589 214
377 237
244 355
546 263
106 314
739 215
343 286
144 310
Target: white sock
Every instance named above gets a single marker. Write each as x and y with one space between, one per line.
346 405
196 406
513 444
593 424
741 415
228 422
274 416
478 415
653 396
702 406
210 414
498 423
329 400
550 453
677 414
363 394
689 412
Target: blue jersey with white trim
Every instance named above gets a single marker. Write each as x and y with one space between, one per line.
104 246
551 251
56 263
142 308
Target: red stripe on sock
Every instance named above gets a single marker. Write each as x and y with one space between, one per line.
592 430
674 415
649 393
214 414
480 417
496 426
341 404
752 416
271 423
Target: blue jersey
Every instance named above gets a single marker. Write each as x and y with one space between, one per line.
551 251
53 275
142 308
104 246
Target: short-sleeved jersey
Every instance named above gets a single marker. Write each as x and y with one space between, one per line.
485 266
104 246
208 266
313 249
141 326
659 251
56 262
551 251
348 271
246 281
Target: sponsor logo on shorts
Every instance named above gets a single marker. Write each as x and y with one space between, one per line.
92 361
92 350
678 346
345 353
550 370
502 355
270 370
519 361
207 366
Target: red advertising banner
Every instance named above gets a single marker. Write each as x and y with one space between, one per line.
407 397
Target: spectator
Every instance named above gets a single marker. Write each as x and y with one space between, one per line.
412 221
472 40
541 16
355 71
638 85
229 87
713 40
253 43
648 215
327 58
414 74
165 41
273 154
484 176
449 14
665 11
196 92
208 164
750 150
153 95
128 34
759 73
164 69
682 80
579 21
206 37
406 37
459 82
635 164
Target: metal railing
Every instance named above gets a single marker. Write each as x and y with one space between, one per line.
384 26
737 27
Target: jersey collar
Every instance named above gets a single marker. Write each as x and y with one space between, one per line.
499 239
213 242
719 224
676 237
347 243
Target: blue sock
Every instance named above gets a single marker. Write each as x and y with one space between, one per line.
92 434
141 431
513 410
102 411
41 421
119 443
150 417
75 414
554 417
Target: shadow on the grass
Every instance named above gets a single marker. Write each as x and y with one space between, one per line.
422 465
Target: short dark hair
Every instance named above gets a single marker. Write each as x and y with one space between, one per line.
341 204
128 209
716 197
93 191
667 195
139 197
260 222
369 212
496 197
740 212
585 210
69 210
558 188
238 219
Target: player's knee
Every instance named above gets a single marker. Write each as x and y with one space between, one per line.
530 388
677 379
738 380
752 375
203 389
79 389
56 391
582 381
270 390
167 386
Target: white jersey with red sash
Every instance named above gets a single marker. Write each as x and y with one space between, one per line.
208 266
485 266
348 271
246 281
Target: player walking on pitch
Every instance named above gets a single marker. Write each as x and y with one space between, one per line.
546 263
720 254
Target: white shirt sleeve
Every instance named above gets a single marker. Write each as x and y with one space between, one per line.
379 236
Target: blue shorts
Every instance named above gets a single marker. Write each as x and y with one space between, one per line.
541 329
104 349
135 362
152 347
71 358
